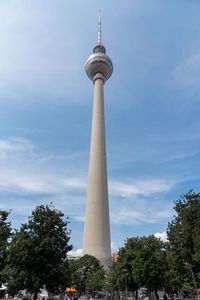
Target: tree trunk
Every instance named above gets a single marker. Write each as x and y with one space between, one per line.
35 296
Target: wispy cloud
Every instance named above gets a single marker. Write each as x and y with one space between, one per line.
141 212
187 74
15 144
80 183
27 178
30 179
20 174
141 215
79 218
19 206
139 187
181 156
34 66
27 181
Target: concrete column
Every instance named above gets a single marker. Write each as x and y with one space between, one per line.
97 225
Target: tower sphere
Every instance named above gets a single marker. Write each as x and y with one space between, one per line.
99 62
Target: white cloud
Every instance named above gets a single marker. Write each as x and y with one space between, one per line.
24 171
77 253
188 73
141 212
16 144
162 236
19 206
79 183
143 187
29 181
181 156
113 247
79 218
25 175
26 181
138 212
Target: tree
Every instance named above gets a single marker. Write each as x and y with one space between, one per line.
119 276
149 265
126 256
184 243
113 278
5 233
173 280
37 253
87 273
97 281
141 262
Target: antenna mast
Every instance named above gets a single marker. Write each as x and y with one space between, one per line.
99 32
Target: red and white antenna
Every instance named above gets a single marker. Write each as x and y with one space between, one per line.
99 32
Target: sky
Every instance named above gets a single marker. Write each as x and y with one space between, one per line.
152 104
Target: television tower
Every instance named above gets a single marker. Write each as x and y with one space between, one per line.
96 240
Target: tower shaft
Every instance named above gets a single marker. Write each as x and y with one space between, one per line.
97 225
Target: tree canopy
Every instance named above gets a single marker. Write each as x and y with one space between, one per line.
184 240
126 256
141 262
87 273
5 233
173 266
37 253
149 266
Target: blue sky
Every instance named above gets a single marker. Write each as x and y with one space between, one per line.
151 108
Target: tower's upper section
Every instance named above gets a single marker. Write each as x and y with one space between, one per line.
99 62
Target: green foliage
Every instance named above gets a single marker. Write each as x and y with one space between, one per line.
184 242
113 279
173 266
141 262
36 256
87 273
126 256
173 281
98 281
5 233
37 253
149 267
